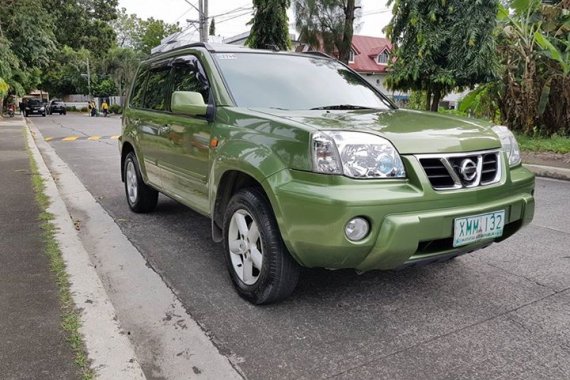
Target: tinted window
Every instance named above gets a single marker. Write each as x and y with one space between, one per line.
137 94
294 82
189 76
157 89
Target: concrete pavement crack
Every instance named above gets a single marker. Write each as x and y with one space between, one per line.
521 276
446 334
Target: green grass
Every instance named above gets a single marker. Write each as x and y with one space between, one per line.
555 144
70 317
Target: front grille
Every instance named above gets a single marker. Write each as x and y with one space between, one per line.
461 170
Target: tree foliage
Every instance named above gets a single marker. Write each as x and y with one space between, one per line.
327 24
269 25
440 45
151 32
212 29
141 35
535 52
84 23
121 65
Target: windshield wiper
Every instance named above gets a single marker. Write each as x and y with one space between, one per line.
342 107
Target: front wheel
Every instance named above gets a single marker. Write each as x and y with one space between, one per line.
261 268
141 197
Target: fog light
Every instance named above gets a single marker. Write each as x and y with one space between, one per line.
356 229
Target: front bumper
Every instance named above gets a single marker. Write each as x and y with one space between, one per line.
410 222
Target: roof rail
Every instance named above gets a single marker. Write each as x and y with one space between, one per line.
318 54
175 41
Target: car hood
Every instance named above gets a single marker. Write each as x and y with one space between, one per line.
411 132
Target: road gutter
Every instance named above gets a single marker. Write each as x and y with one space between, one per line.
116 285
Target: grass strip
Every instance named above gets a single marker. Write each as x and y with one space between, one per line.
555 144
70 317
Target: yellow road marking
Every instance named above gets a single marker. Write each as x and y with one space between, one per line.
94 138
115 137
70 138
49 138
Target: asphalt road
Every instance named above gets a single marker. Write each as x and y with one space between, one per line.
500 313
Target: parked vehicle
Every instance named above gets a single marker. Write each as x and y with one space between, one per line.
34 107
299 161
57 106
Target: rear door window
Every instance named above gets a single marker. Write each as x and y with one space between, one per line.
137 94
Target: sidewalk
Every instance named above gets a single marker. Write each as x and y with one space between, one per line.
33 342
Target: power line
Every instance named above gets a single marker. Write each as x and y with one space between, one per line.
238 9
231 18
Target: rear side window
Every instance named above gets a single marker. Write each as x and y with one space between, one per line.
137 94
157 90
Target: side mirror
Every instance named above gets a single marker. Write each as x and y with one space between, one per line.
188 103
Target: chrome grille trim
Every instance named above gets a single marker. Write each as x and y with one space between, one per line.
488 169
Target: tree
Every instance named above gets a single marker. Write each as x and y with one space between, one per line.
83 24
212 31
441 45
121 64
534 47
327 24
269 25
30 32
64 76
141 35
150 32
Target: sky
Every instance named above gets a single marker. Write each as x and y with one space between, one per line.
232 15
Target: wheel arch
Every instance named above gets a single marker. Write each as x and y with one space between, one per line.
231 181
125 150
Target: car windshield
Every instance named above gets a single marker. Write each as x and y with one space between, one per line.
295 82
34 103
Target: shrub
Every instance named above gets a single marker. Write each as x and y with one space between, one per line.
83 109
116 109
71 109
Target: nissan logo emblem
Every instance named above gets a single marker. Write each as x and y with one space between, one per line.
468 169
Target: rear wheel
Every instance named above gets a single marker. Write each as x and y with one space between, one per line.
140 197
259 264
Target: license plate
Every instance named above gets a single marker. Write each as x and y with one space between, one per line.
478 227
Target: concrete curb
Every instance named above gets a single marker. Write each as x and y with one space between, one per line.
549 171
108 348
167 342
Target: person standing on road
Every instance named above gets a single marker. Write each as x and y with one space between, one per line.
93 108
21 106
105 107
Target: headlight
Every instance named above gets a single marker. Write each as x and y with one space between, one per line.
42 109
27 108
356 155
509 144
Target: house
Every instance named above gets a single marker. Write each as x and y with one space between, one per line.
369 57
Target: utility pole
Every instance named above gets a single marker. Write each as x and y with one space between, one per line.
88 78
202 18
205 26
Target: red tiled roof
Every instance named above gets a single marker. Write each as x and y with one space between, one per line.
366 50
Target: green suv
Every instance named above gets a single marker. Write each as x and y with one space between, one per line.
300 162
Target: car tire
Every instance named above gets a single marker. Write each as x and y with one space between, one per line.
44 114
260 267
140 197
